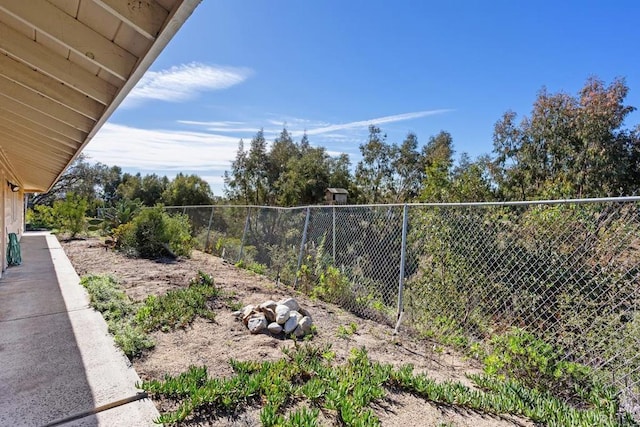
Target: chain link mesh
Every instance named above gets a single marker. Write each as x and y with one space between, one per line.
352 258
567 272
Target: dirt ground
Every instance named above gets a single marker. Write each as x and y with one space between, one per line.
214 343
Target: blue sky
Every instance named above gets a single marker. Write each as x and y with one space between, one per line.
333 67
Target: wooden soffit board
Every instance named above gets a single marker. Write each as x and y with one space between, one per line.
65 66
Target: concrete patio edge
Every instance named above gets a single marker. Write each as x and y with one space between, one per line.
108 371
60 361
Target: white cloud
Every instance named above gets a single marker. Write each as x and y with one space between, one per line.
224 124
337 133
157 149
213 180
184 82
296 123
376 121
224 127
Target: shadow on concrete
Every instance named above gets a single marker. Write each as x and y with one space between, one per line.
42 375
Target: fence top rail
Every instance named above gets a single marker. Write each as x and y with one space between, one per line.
467 204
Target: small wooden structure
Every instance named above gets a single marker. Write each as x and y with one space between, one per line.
336 196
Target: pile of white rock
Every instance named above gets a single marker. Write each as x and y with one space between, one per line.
276 317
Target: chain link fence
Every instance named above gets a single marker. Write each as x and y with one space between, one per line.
567 271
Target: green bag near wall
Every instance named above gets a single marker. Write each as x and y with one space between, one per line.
13 250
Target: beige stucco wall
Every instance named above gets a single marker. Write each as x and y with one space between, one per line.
12 209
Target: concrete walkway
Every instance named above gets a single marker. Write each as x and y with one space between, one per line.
56 357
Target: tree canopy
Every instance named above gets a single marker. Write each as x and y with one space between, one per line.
569 146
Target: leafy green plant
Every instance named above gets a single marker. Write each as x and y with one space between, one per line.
332 286
106 297
153 233
117 309
347 331
520 356
130 337
256 267
113 217
70 214
178 308
303 417
234 305
40 216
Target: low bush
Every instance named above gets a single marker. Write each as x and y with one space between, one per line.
106 297
153 233
130 337
111 218
40 216
256 267
518 355
69 214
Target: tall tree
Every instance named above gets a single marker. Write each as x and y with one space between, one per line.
81 178
437 156
471 180
339 174
304 142
257 168
109 182
571 146
408 166
148 189
306 178
374 173
237 186
187 190
282 151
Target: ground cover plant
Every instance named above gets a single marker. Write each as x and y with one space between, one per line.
130 323
308 380
178 308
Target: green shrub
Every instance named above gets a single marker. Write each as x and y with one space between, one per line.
41 216
153 233
125 239
106 297
113 217
69 214
518 355
256 267
332 286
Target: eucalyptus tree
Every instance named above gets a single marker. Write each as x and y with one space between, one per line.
570 146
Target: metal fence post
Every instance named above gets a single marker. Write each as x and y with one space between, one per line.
403 254
333 210
206 243
244 234
302 242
